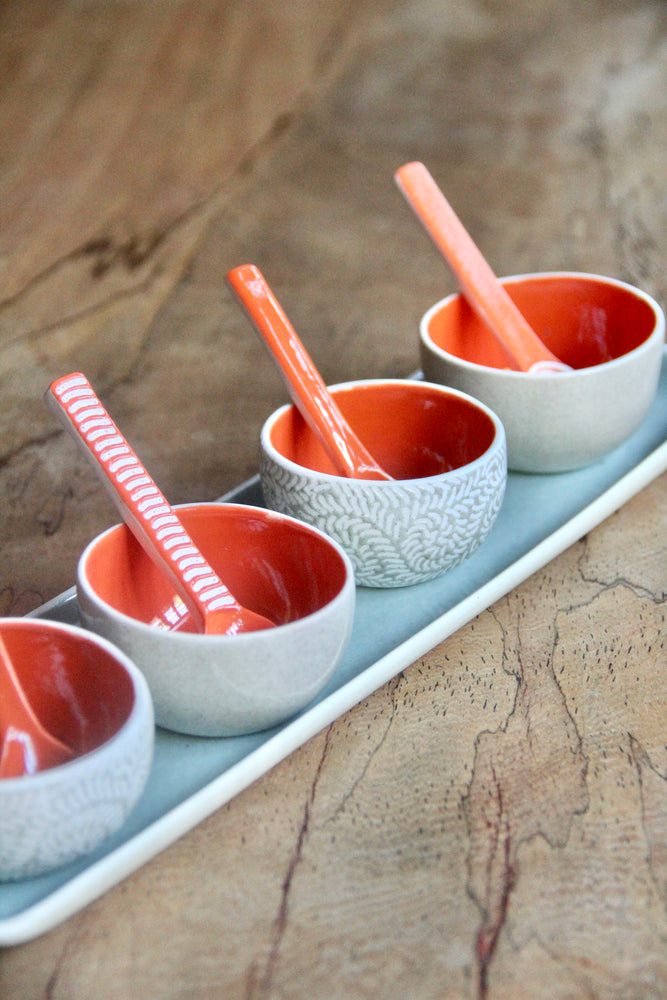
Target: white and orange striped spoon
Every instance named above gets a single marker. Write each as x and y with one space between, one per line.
147 513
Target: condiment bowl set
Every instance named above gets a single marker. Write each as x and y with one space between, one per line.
223 619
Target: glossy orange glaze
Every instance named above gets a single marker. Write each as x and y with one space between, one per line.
78 691
584 322
304 382
283 570
412 429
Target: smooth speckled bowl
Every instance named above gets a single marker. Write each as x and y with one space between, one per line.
446 452
92 697
610 333
227 685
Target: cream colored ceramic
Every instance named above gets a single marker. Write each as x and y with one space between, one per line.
227 685
446 453
610 333
91 696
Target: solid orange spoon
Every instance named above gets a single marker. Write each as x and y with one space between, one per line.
26 746
304 383
146 511
478 283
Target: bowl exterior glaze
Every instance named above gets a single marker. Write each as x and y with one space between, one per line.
219 685
396 533
51 818
558 422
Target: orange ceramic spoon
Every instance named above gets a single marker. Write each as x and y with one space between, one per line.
25 745
478 283
146 511
304 383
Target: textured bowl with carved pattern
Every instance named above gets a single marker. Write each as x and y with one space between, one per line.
94 699
445 452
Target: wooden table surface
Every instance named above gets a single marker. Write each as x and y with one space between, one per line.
493 822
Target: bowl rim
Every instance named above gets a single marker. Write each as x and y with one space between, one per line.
658 332
197 638
142 698
371 485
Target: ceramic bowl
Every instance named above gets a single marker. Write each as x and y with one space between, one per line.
91 696
227 685
445 452
609 332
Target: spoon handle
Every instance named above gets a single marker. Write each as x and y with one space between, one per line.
478 283
304 383
141 504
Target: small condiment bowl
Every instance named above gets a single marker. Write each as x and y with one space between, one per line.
227 685
445 452
610 333
92 697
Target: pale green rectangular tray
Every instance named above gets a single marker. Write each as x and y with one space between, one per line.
192 777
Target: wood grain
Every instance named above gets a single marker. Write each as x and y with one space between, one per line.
493 822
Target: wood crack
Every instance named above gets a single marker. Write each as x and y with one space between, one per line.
281 920
500 816
392 687
493 920
105 253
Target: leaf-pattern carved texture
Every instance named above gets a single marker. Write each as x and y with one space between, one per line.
398 533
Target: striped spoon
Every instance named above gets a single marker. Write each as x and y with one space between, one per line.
147 513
